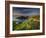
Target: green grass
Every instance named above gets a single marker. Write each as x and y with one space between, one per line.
28 24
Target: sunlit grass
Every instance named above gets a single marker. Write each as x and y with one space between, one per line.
31 23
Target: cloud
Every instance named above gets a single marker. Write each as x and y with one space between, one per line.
26 11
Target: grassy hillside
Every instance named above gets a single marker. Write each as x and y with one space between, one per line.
31 23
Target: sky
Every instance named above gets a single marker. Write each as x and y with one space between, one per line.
26 11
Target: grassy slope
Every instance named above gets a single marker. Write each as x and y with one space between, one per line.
29 24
